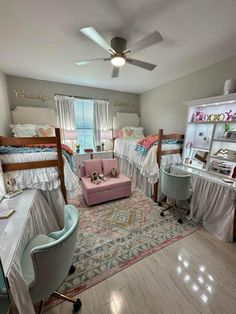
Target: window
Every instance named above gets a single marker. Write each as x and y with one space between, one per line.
84 122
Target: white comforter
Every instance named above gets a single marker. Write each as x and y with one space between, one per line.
147 164
41 178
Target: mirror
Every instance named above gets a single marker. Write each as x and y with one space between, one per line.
198 158
4 295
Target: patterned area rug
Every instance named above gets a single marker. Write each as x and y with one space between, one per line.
115 235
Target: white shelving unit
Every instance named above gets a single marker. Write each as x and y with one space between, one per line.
207 146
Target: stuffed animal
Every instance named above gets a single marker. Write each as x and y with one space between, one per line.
95 178
114 173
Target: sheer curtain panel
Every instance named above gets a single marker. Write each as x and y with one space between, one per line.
100 119
66 114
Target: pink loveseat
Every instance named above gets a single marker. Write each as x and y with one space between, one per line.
111 189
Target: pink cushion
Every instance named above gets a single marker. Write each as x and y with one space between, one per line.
91 166
108 164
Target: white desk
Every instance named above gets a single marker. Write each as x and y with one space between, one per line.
33 216
213 202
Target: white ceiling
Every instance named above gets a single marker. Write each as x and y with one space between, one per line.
41 39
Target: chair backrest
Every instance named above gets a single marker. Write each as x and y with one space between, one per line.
177 187
52 261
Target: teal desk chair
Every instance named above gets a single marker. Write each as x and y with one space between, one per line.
175 187
48 258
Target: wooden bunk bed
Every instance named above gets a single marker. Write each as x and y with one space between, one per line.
161 153
21 141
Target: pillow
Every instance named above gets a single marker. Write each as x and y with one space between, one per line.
91 166
108 164
24 130
138 132
45 130
133 132
128 132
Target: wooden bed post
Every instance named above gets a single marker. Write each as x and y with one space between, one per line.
60 163
155 192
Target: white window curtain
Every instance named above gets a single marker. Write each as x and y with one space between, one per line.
100 119
66 114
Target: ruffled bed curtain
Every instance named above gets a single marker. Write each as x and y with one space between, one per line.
66 114
100 120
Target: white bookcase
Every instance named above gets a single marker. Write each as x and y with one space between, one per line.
208 146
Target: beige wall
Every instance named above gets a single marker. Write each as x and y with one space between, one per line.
128 101
162 107
5 117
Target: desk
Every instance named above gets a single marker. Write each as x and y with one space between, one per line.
213 202
33 216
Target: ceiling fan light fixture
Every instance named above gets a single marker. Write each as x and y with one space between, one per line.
118 61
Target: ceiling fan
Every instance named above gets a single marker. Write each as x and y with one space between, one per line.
118 51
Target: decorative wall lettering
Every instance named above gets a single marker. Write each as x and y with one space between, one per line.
199 116
21 95
216 117
120 103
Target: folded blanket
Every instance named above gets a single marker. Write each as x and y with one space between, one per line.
63 146
142 149
40 149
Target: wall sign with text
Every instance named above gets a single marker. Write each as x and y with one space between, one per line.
21 95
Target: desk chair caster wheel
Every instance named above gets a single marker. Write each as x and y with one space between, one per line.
71 270
180 220
159 204
162 214
77 305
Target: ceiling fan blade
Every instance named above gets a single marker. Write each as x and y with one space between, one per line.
141 64
92 34
83 62
115 72
147 41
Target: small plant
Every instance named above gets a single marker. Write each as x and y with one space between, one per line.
78 147
228 127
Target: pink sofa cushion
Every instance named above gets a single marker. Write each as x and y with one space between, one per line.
111 183
108 164
91 166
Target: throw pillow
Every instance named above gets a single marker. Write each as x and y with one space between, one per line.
45 131
24 130
92 166
108 164
128 133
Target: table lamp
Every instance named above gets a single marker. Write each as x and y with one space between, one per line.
106 135
70 138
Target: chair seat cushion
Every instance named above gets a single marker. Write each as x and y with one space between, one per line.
111 183
26 260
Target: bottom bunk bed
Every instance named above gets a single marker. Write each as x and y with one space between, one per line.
144 168
40 163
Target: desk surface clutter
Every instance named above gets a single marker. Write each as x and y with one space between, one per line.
213 202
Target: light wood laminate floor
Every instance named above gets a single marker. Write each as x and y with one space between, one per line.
193 275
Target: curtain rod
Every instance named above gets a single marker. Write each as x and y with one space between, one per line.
81 97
